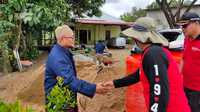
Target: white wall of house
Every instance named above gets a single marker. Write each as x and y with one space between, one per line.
98 32
159 16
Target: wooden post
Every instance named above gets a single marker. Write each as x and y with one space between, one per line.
16 54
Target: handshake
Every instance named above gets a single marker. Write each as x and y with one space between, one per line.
102 88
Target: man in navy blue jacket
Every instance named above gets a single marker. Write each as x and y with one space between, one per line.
60 63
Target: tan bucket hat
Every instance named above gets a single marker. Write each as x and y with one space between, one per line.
144 30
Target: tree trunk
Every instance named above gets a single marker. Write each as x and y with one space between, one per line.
39 38
190 6
172 18
6 61
29 40
167 14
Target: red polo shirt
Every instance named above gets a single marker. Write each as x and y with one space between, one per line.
191 67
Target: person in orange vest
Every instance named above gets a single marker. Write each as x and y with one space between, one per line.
158 72
190 23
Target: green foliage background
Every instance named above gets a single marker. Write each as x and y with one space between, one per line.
14 107
24 22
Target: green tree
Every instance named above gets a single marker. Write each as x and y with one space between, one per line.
88 7
155 5
28 19
133 15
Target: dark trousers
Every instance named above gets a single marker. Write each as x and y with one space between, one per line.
72 110
193 99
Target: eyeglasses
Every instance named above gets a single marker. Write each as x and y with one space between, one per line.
72 37
185 25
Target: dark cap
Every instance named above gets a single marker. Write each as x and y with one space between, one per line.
189 16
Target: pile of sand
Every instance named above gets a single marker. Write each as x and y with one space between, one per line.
28 88
110 102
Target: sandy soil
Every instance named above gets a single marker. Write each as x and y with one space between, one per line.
28 85
25 86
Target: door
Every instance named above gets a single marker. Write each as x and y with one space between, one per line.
83 36
108 34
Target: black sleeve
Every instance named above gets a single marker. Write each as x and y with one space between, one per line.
128 80
155 65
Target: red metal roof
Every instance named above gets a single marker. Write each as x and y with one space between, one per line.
103 22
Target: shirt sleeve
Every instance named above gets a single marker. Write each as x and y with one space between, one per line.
128 80
155 65
64 69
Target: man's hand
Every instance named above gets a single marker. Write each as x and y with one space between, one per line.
100 89
109 85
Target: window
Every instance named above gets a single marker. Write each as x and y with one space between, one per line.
3 1
84 36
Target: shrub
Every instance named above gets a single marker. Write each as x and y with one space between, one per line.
14 107
61 98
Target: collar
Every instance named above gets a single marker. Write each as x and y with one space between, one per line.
153 44
66 50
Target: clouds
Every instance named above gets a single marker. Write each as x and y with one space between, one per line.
112 1
118 7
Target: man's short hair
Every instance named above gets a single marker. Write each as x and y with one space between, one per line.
63 30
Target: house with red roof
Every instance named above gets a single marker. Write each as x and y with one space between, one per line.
89 30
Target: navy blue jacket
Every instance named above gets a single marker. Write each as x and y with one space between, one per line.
60 63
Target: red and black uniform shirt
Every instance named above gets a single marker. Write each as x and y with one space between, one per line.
157 69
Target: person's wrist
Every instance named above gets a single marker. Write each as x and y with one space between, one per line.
115 83
95 90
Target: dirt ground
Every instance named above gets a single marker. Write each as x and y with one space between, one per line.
27 86
113 101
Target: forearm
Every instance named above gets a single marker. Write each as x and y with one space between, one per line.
83 87
66 71
128 80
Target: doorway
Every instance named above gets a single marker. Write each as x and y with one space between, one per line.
83 36
108 34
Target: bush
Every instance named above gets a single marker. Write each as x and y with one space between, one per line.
61 98
14 107
30 54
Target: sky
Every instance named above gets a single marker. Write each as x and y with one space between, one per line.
118 7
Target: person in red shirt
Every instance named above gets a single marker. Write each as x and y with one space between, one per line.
190 23
158 72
